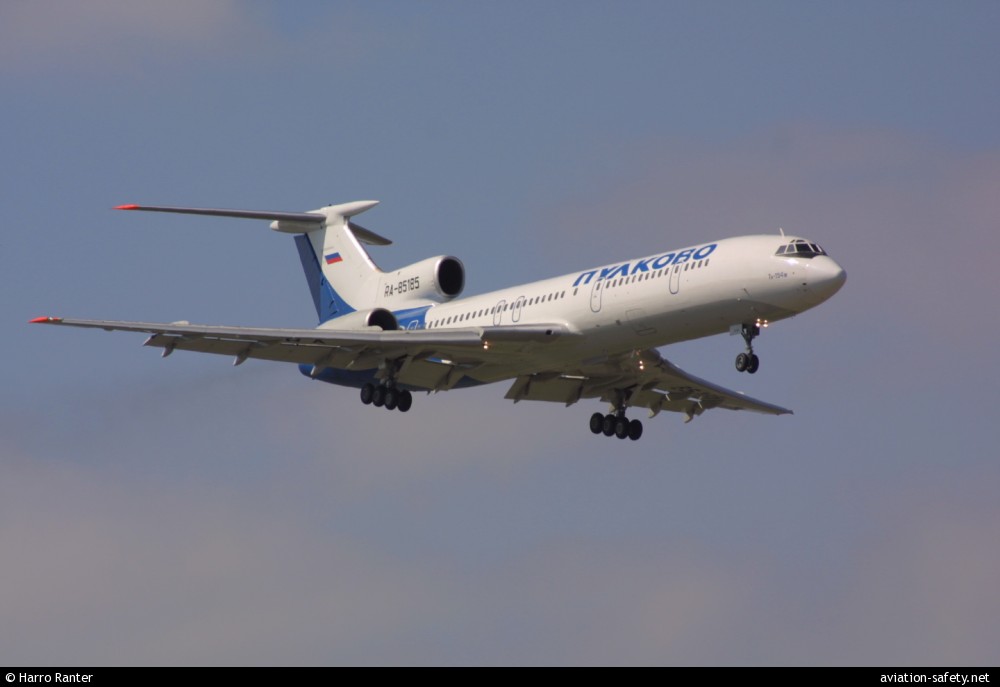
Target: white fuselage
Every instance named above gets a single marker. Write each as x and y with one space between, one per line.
653 301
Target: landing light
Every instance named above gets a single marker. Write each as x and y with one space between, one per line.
486 345
762 323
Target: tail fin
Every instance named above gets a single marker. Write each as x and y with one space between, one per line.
341 275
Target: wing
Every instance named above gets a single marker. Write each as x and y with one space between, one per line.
438 359
430 359
642 378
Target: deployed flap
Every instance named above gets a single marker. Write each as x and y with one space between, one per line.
645 378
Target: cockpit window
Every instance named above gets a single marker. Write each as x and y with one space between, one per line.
801 249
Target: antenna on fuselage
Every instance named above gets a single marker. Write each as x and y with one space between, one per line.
781 230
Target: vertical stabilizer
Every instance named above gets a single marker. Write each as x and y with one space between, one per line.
341 275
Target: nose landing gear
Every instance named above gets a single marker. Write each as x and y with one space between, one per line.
748 362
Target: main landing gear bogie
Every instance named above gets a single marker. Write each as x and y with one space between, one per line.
615 425
388 397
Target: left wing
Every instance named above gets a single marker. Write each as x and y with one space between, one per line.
431 359
641 378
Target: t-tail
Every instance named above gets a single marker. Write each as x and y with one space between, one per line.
347 287
341 275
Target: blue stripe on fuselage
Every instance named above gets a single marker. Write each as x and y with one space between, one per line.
358 378
412 318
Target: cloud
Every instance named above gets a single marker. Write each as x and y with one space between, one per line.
101 567
912 589
63 35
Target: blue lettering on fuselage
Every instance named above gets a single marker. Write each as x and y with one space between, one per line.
683 256
663 261
646 264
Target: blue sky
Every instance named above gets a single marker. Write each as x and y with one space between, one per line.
185 511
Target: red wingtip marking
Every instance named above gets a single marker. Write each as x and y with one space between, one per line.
126 207
41 320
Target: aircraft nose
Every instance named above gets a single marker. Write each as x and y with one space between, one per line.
826 277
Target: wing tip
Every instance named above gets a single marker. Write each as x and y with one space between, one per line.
129 206
45 320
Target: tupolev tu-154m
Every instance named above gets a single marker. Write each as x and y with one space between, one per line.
592 334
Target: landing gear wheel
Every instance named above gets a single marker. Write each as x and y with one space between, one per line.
596 423
634 430
378 396
742 362
608 425
391 399
621 427
748 362
405 401
367 391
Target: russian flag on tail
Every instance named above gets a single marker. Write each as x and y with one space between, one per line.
333 258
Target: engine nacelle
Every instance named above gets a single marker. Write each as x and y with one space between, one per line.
364 319
438 279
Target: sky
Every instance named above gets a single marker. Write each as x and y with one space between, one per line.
186 512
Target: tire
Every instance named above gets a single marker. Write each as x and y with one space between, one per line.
753 365
405 401
596 423
608 425
634 430
391 399
378 397
742 361
367 391
621 427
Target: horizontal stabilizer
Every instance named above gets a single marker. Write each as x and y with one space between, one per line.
304 217
290 222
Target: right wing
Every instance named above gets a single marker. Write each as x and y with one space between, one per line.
433 359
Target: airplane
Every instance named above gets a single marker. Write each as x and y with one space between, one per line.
592 334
